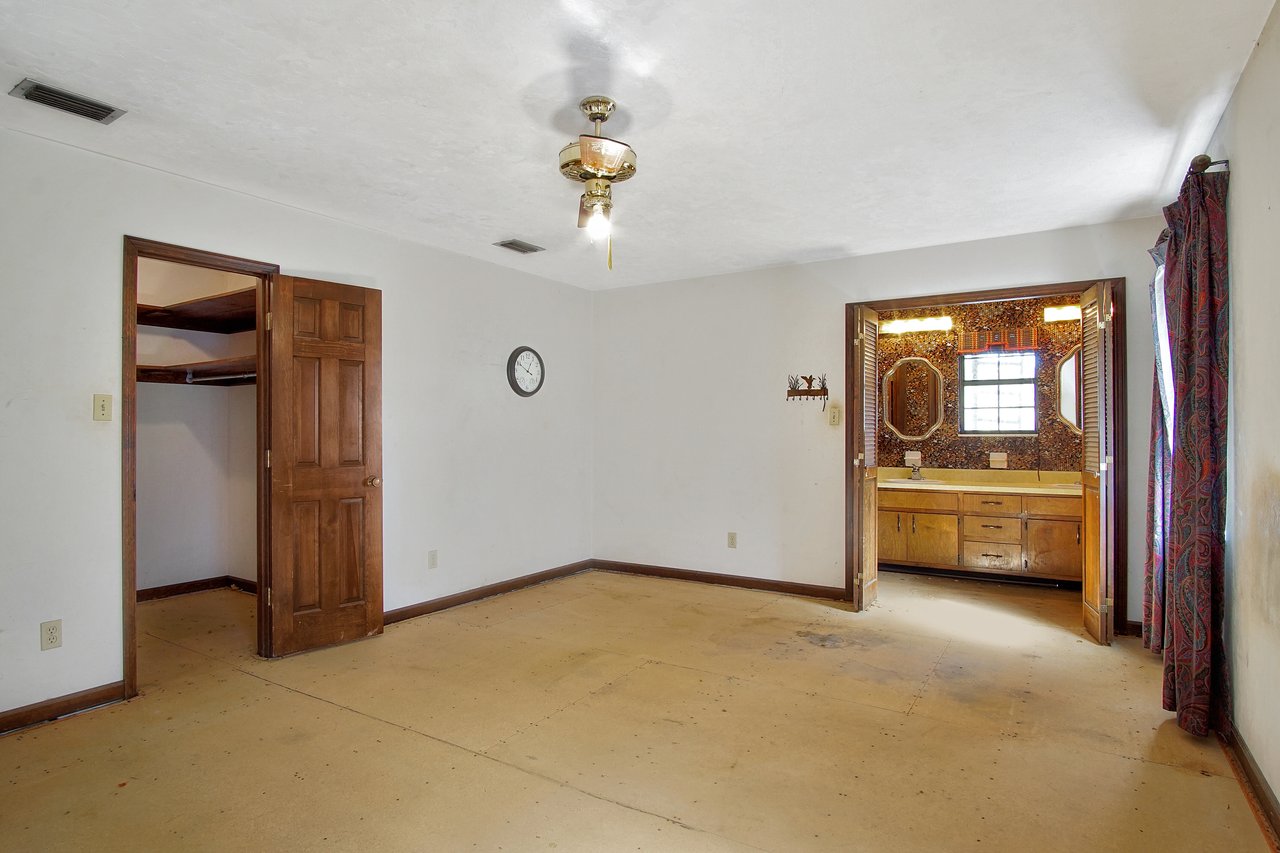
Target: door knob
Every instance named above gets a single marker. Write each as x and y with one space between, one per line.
374 481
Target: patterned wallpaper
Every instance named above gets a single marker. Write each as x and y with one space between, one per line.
1055 448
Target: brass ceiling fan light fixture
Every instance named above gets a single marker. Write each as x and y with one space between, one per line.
598 162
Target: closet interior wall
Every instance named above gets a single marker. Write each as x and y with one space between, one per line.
196 486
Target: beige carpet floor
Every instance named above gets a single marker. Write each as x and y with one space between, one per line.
607 712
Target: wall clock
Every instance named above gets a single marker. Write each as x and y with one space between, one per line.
525 371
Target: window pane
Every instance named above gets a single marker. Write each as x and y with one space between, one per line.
982 397
1017 395
1018 365
981 420
1021 420
982 366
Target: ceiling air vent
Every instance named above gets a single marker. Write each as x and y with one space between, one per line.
59 99
519 246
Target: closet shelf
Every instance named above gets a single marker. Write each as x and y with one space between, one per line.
225 313
240 370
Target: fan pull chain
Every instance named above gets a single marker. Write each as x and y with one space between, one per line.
611 251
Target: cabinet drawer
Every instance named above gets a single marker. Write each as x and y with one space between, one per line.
1005 557
992 528
980 504
1042 505
910 499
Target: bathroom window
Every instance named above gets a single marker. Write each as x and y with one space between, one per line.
998 392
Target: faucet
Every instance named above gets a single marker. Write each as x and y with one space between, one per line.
915 472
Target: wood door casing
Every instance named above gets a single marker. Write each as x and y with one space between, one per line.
325 583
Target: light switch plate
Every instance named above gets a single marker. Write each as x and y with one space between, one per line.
833 414
102 407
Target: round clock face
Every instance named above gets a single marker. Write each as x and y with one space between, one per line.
524 371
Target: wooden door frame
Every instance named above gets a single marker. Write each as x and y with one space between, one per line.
1116 508
134 249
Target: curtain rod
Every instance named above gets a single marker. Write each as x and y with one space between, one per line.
1202 162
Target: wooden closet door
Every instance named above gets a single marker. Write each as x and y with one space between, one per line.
1097 475
325 574
866 430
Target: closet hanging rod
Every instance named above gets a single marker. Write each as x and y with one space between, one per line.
191 380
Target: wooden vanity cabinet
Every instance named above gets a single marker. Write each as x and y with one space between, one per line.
995 532
1053 548
892 535
933 538
918 537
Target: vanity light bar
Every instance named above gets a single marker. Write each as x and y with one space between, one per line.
916 324
1065 312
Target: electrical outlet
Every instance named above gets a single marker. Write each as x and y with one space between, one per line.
102 407
733 539
50 635
433 559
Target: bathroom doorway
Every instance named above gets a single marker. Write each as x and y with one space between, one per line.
1009 462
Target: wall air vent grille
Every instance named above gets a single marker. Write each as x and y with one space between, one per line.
519 246
59 99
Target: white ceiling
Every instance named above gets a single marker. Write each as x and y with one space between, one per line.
767 133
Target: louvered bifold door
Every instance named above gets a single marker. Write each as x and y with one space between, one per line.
325 464
866 463
1097 476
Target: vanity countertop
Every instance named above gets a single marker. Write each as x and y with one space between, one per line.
1063 489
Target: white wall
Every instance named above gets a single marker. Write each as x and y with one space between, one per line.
694 438
1250 136
183 494
498 483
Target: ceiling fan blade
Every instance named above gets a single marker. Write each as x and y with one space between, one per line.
583 213
603 155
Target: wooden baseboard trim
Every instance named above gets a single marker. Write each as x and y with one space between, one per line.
1132 629
437 604
789 587
1261 796
52 709
201 585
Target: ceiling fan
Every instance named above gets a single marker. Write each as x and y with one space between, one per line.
599 162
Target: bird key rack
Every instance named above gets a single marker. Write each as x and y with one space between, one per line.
794 391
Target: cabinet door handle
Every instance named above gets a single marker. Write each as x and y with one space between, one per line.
900 525
913 524
993 526
993 503
991 555
1077 534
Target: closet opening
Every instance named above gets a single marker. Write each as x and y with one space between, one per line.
193 440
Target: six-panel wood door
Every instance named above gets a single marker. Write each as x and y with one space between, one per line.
866 468
325 574
1097 474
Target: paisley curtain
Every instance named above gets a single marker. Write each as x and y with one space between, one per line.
1184 600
